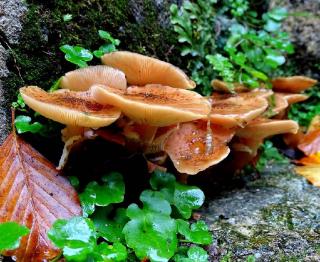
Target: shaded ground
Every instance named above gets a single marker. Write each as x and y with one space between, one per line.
275 218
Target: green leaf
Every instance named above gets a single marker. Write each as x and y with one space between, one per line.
104 49
272 26
74 181
23 124
197 254
160 179
223 66
187 198
198 233
110 192
76 237
55 85
107 37
19 104
110 229
77 55
151 235
67 17
110 253
155 202
11 234
278 13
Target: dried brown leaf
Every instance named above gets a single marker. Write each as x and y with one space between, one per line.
32 193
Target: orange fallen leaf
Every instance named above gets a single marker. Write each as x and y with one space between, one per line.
311 173
310 144
32 193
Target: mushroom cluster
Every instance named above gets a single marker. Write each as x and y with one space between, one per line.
152 106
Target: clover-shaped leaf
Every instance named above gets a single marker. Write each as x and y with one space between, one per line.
77 55
24 124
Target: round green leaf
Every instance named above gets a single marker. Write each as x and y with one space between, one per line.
197 254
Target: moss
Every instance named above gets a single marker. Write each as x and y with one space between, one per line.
40 62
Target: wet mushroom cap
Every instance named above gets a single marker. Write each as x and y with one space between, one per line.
262 128
293 84
190 150
237 110
154 105
142 70
280 104
293 98
82 79
70 108
224 87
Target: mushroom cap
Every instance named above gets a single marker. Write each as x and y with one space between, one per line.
187 147
223 87
292 84
237 110
142 70
70 108
154 105
262 128
82 79
293 98
280 104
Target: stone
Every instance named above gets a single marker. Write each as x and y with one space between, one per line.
11 14
273 218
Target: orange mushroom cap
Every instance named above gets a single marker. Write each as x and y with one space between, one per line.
70 108
224 87
82 79
262 128
187 147
142 70
292 84
293 98
154 105
237 110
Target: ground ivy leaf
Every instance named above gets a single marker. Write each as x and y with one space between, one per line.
198 233
197 254
186 198
155 202
10 235
110 229
76 237
151 235
88 200
110 253
160 179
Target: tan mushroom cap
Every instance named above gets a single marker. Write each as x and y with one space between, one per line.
188 146
82 79
223 87
142 70
237 110
280 104
154 105
70 108
292 84
262 128
293 98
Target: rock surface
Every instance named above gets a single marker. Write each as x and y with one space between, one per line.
11 14
275 218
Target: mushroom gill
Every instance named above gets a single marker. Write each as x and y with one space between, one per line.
70 108
292 84
142 70
237 110
82 79
188 146
154 105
